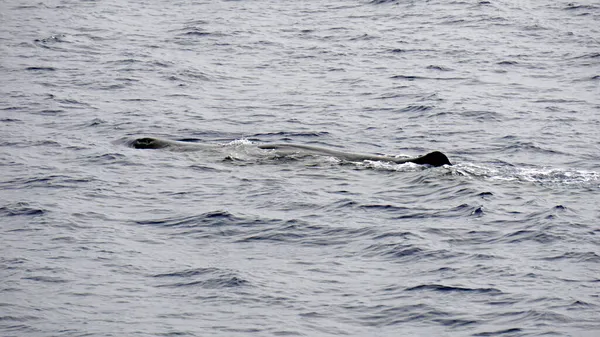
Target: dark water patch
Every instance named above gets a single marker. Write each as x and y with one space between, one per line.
205 168
507 63
212 283
50 181
14 108
574 6
140 99
395 250
109 158
440 68
303 233
536 316
275 235
112 87
363 37
52 39
519 145
195 75
503 332
524 235
50 112
21 209
482 115
416 108
343 204
587 56
404 252
385 316
475 237
73 103
576 305
46 279
381 2
189 272
215 218
4 319
445 289
403 235
196 32
127 61
454 322
224 224
40 68
407 77
463 210
389 208
411 78
391 95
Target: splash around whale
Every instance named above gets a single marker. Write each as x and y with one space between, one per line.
434 158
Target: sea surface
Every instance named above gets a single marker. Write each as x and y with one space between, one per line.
100 239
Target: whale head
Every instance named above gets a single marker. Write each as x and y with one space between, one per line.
435 158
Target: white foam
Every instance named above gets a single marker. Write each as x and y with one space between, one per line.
543 175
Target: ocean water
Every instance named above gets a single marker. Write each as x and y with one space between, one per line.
101 239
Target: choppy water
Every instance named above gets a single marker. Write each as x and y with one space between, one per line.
99 239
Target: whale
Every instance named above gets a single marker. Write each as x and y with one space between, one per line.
435 158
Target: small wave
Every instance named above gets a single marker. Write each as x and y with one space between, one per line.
188 272
18 318
109 158
443 288
46 279
440 68
51 181
502 332
401 252
21 209
540 236
215 218
576 257
407 77
211 278
303 233
416 108
196 32
507 63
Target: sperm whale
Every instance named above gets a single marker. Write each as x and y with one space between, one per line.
434 158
